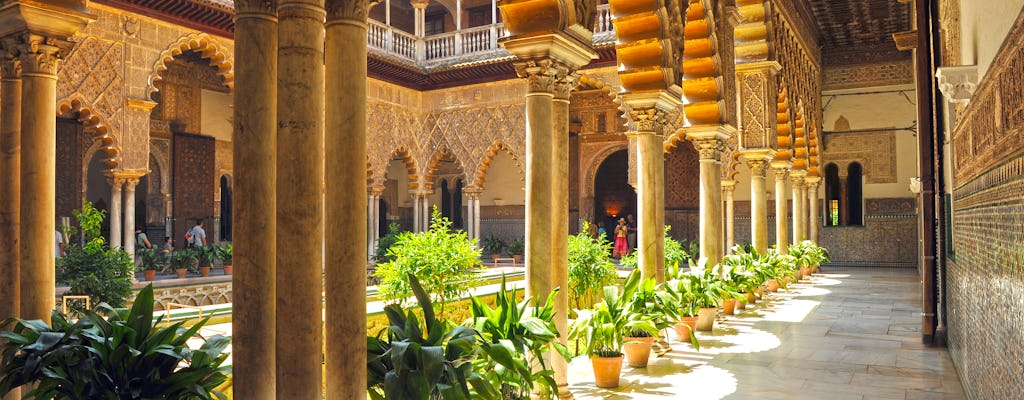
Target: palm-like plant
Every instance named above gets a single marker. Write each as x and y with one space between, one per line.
513 336
602 329
423 365
122 356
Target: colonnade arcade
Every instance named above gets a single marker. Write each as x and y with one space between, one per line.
715 82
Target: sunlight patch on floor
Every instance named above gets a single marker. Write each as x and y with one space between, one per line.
663 378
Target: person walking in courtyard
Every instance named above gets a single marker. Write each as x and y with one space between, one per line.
196 237
621 230
602 234
630 233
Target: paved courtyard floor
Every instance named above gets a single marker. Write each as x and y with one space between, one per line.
852 334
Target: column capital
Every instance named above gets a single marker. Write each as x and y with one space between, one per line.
758 160
420 4
728 186
39 55
375 190
796 178
256 7
353 9
564 85
649 112
130 183
709 148
542 74
812 182
10 64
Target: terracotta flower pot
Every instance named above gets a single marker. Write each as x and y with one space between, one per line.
150 274
228 269
683 327
204 271
729 306
495 256
787 280
751 298
706 319
181 272
773 285
741 304
517 258
606 371
638 350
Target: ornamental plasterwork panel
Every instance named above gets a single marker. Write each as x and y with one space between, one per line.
92 75
200 295
875 151
949 28
868 75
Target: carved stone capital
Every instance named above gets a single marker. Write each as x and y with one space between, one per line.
40 54
796 179
758 167
728 186
349 9
649 119
10 66
130 183
541 74
116 182
375 190
709 148
258 7
812 182
564 85
473 193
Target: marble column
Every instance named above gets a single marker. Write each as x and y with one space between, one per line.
129 216
416 210
758 200
539 171
371 219
781 170
560 219
116 186
814 212
710 150
728 191
473 211
650 175
346 178
300 195
10 188
426 211
39 63
796 178
254 289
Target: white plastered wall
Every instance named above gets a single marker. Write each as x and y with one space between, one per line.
215 119
503 182
983 27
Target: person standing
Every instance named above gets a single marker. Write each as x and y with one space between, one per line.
58 250
141 239
602 234
631 233
196 236
621 230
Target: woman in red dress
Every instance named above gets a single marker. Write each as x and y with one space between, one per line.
621 247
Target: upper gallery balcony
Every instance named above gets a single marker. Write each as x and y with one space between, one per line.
448 33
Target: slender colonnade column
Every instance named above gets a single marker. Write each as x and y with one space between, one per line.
129 216
473 211
710 150
650 175
781 170
300 174
539 124
804 204
797 180
346 171
812 197
116 185
254 290
371 221
39 63
560 219
416 211
758 204
728 191
10 187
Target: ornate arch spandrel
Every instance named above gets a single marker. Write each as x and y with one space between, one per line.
96 126
480 179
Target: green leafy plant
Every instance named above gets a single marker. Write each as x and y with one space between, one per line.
678 298
675 254
225 253
647 302
417 364
205 255
385 243
150 259
184 259
95 270
602 329
493 245
124 356
445 262
590 269
809 254
515 338
515 247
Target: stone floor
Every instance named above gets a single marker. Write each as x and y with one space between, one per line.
844 335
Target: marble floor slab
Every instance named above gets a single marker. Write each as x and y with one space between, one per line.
852 334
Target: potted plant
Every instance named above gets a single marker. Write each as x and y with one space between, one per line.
515 250
590 269
182 262
645 303
678 300
708 291
493 245
205 256
603 329
224 253
150 262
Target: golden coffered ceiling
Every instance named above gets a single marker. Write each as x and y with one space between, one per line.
852 25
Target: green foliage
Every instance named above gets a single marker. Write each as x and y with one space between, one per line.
418 364
647 301
515 247
205 254
184 259
514 340
809 254
675 254
225 253
384 244
151 259
590 268
94 269
121 357
602 329
445 262
493 245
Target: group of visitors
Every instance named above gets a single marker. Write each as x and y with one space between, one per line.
624 235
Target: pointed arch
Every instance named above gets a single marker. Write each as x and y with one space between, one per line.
401 153
207 47
96 126
435 159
